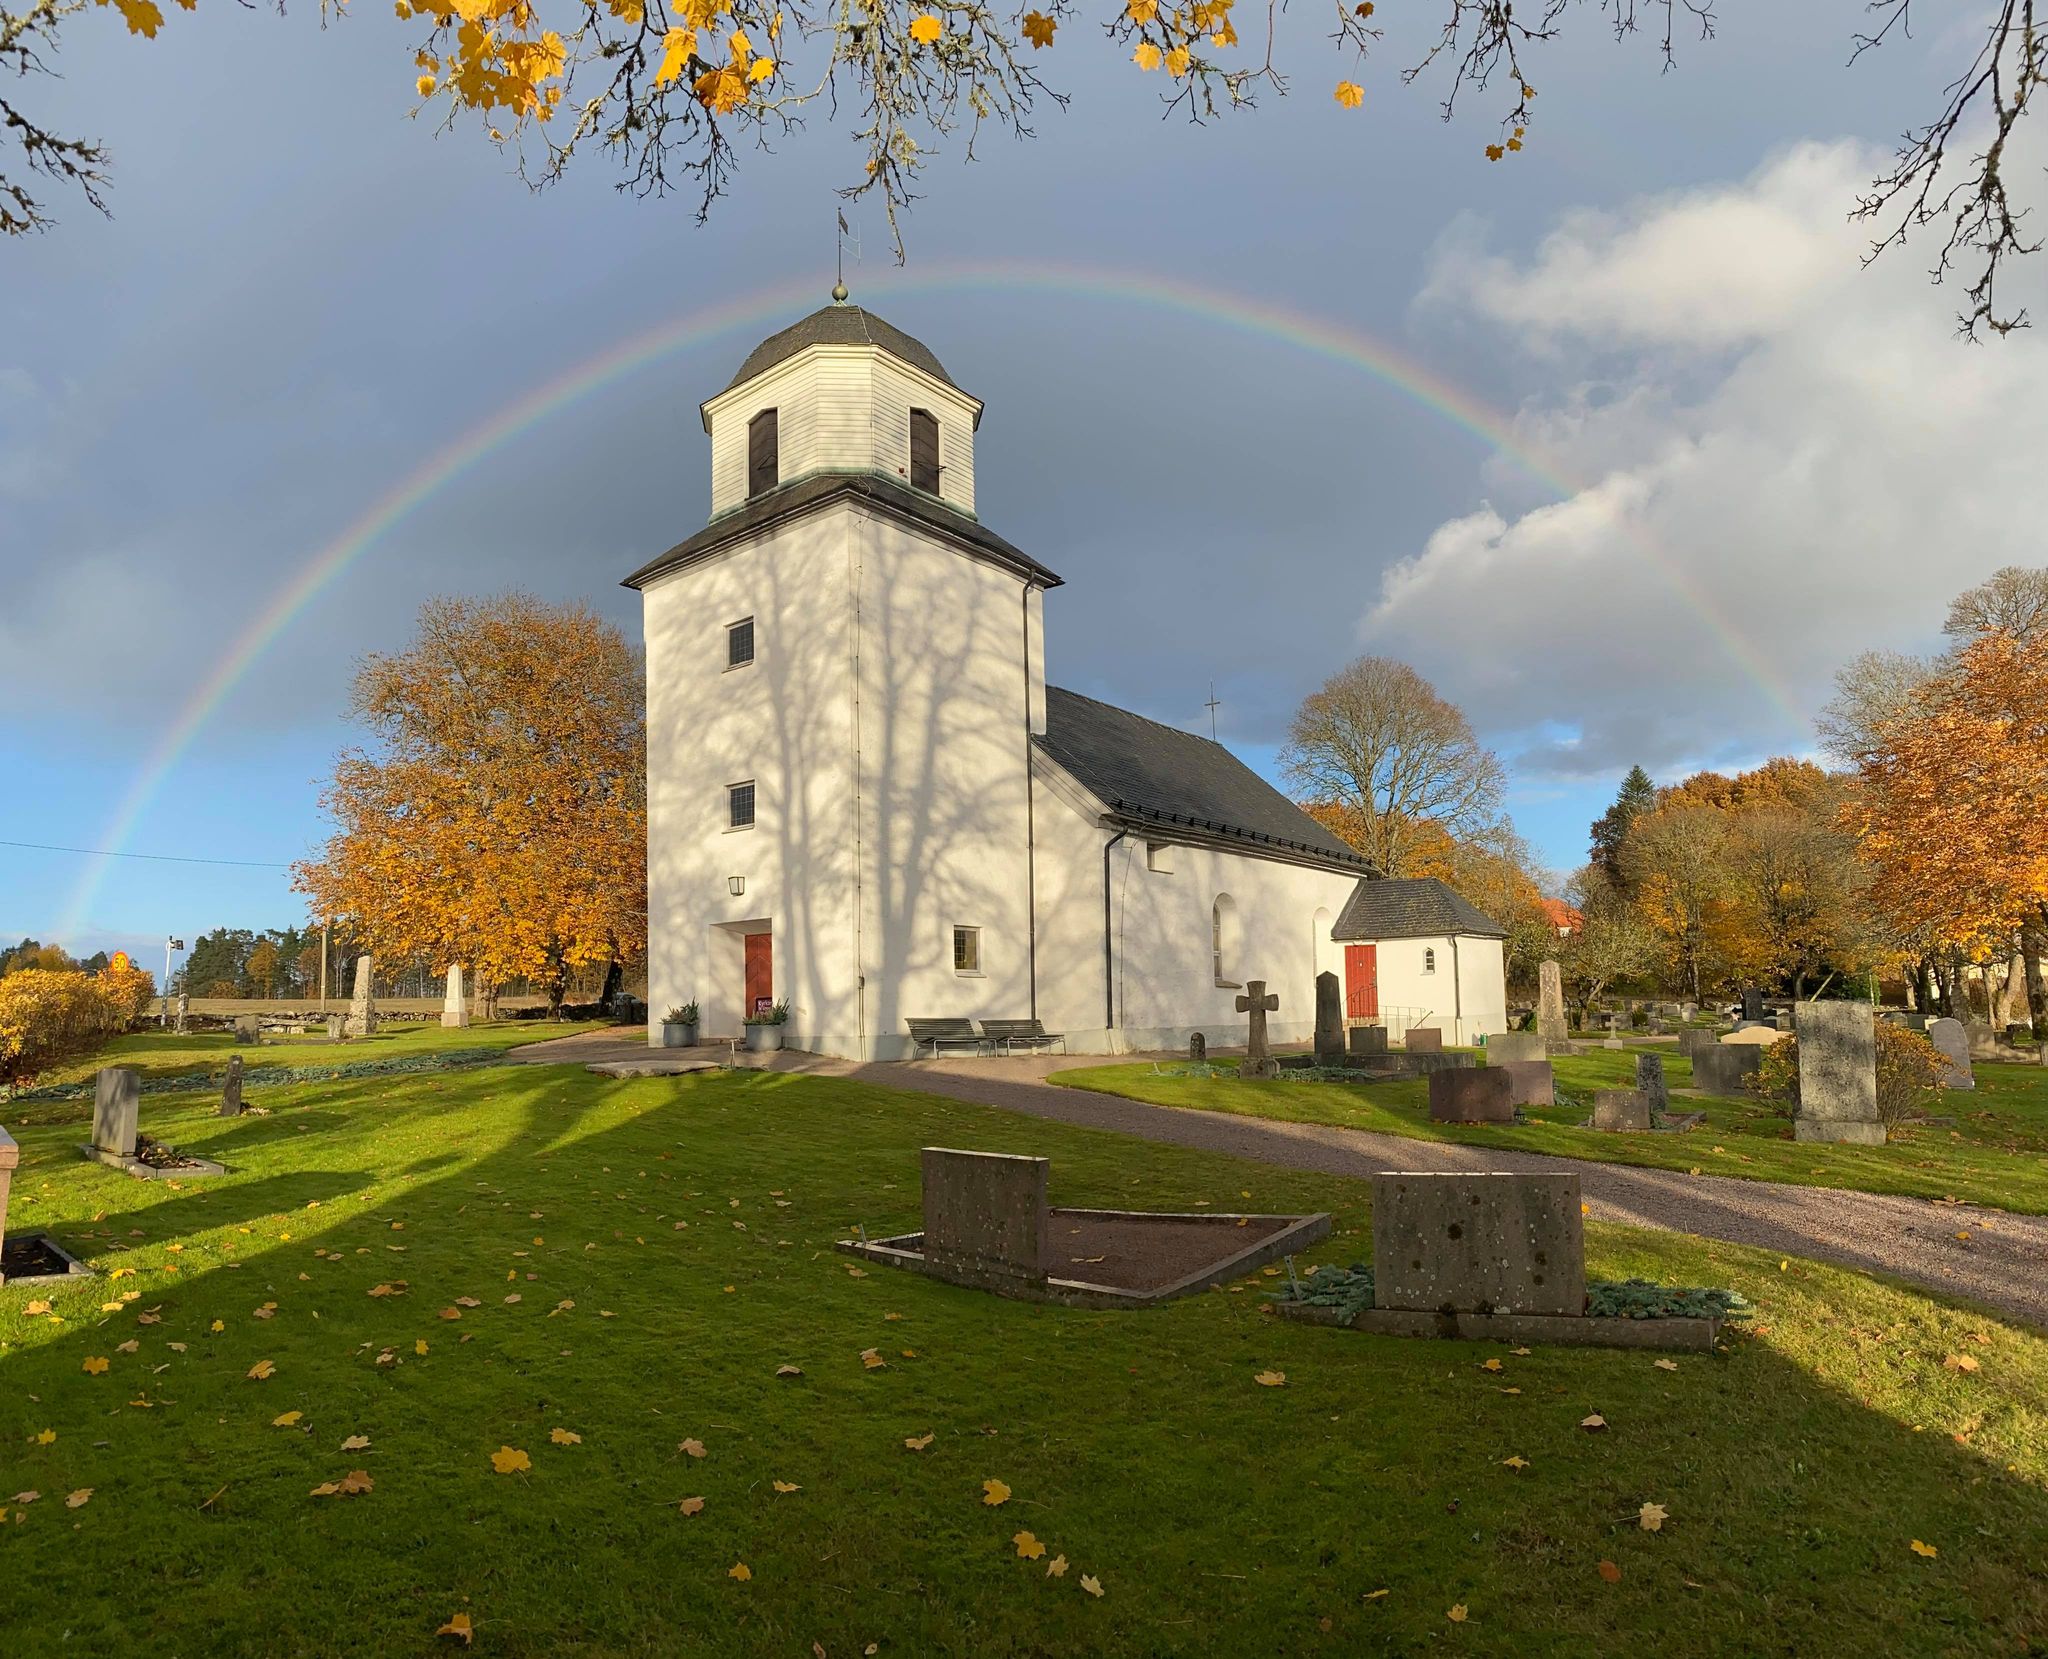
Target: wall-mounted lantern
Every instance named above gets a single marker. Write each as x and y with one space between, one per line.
736 885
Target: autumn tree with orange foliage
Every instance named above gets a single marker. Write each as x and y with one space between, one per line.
1950 812
499 816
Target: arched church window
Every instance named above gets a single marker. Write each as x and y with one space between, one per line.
763 452
1226 939
924 450
1429 961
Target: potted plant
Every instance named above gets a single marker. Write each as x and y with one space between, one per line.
764 1028
679 1027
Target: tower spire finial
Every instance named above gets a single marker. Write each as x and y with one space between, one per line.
839 285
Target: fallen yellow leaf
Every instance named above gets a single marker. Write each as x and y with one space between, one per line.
1514 1462
1270 1379
872 1359
48 1437
1056 1567
787 1486
95 1364
694 1448
918 1442
1028 1546
1927 1550
1610 1572
79 1499
1651 1517
1593 1424
1091 1584
457 1626
565 1437
355 1442
994 1492
510 1460
739 1570
691 1506
1457 1614
284 1420
262 1369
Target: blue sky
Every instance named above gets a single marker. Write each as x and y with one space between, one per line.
1763 459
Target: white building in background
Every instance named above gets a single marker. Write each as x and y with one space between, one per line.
865 801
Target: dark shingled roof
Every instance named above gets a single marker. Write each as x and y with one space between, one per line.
1157 778
877 490
1410 909
839 325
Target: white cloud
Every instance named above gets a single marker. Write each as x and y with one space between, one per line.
1780 459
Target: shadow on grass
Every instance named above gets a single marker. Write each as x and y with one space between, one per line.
1136 1435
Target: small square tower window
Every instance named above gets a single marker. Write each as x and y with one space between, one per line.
739 805
924 450
763 452
967 950
739 643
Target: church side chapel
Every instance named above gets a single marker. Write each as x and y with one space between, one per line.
866 804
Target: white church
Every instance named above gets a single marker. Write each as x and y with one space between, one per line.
865 802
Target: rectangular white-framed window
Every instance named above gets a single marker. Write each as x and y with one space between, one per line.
967 950
739 805
1159 857
739 643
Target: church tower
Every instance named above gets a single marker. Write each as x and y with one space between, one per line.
845 670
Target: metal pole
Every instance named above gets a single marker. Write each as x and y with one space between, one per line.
323 967
163 1012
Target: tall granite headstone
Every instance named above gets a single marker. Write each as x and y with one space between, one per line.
362 1008
1650 1084
116 1105
1258 1060
455 1004
1329 1020
1551 1023
1953 1043
1837 1074
1752 1005
231 1090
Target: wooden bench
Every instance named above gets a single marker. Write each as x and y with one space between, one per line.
1007 1035
955 1032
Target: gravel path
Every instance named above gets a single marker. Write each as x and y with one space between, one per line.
2003 1264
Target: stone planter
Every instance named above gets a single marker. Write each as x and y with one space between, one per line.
675 1034
763 1039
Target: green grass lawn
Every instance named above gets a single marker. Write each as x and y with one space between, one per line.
167 1055
1988 1146
669 1245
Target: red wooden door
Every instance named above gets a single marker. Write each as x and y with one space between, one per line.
1362 982
760 972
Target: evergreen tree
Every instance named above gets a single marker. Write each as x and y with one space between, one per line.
1638 794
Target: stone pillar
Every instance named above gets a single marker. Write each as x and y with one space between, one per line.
1837 1074
116 1105
1551 1024
455 1005
10 1155
231 1090
1329 1021
184 1012
362 1009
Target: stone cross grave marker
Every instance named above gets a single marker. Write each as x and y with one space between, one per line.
985 1216
1258 1060
1837 1074
1650 1083
362 1008
1953 1043
116 1105
1478 1243
1551 1023
1329 1021
231 1090
455 1004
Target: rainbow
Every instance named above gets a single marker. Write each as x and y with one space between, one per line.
1317 336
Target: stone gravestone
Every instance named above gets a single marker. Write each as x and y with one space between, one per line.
1472 1094
1366 1040
1258 1060
1198 1048
985 1217
184 1012
1505 1046
1954 1043
2015 1034
1692 1040
1726 1068
1551 1024
335 1031
248 1029
1478 1243
1752 1005
1915 1020
1837 1074
1650 1084
1329 1021
362 1008
1531 1081
455 1004
116 1104
1423 1039
231 1090
1620 1109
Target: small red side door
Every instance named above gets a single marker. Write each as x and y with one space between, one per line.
760 972
1362 982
